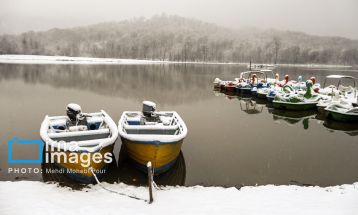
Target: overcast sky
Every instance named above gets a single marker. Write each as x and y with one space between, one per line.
319 17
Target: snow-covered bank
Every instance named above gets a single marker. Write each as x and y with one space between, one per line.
42 59
39 198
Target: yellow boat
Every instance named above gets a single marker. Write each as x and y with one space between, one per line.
79 143
152 136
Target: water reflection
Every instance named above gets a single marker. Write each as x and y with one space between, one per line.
124 172
294 117
228 94
348 128
166 84
128 174
250 106
50 173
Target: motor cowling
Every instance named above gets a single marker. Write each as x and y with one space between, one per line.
73 111
149 108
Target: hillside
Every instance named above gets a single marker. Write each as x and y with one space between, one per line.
181 39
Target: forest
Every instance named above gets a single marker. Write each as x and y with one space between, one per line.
176 38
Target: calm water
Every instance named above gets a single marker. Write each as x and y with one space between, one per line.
230 141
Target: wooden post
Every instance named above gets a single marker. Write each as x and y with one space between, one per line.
150 181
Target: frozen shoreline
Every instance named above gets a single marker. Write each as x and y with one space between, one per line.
41 198
42 59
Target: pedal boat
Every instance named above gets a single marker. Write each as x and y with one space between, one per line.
342 113
338 94
152 136
297 100
76 134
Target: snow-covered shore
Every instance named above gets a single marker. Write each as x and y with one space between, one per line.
42 59
39 198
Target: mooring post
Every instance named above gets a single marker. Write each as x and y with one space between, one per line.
150 181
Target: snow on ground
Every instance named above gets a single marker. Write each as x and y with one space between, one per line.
39 198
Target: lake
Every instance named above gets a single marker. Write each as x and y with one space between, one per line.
229 143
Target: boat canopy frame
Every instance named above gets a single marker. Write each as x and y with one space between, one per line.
340 77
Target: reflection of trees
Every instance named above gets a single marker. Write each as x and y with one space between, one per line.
171 84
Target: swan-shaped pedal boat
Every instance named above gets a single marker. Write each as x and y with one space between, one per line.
297 100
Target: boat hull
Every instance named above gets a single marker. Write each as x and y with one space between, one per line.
294 106
270 99
83 174
261 95
245 91
342 117
162 155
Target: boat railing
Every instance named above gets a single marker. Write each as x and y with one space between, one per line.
181 128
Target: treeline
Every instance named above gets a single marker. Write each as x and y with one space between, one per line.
180 39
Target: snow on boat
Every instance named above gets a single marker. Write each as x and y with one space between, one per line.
329 100
260 66
217 83
297 101
152 136
85 141
338 94
230 86
269 92
250 80
342 113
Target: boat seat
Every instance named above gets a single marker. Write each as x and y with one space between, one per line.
94 122
79 133
58 124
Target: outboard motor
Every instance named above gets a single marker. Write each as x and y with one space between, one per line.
74 112
148 108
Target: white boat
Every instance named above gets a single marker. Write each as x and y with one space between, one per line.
79 133
343 113
260 66
152 136
270 77
338 94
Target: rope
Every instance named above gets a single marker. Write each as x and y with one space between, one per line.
155 184
113 191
